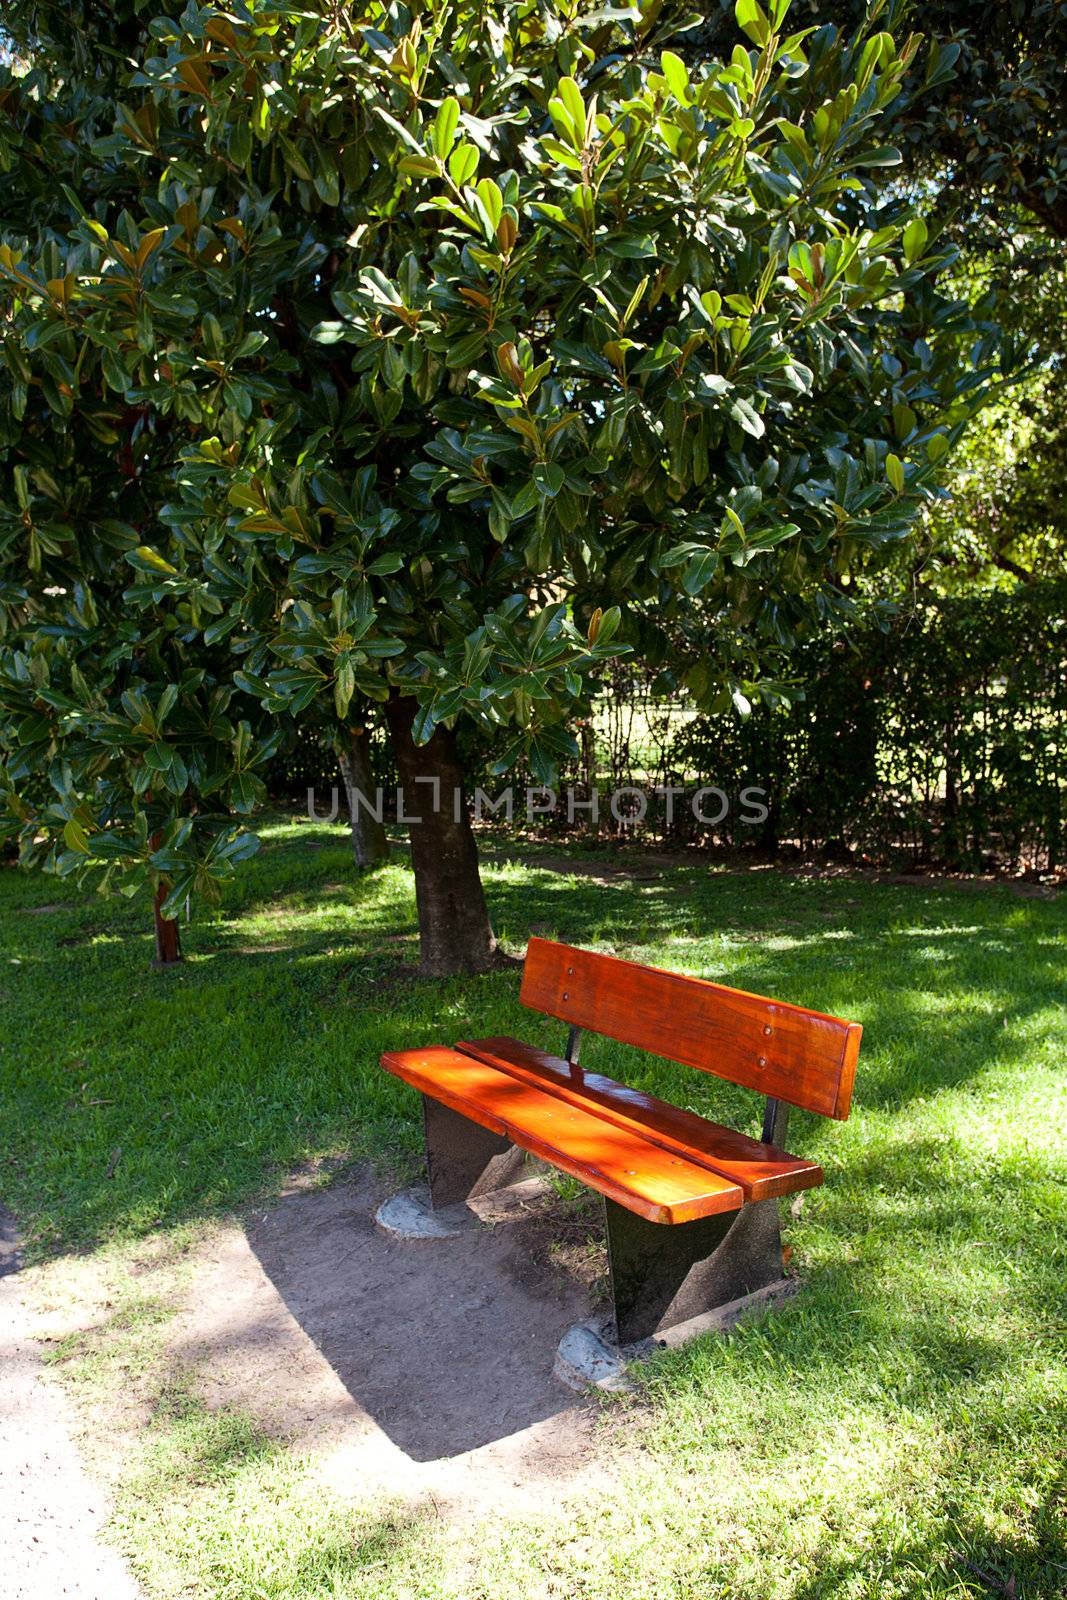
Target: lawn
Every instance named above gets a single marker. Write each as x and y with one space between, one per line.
895 1430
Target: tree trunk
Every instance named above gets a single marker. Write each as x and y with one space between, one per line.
951 836
454 930
369 843
590 775
168 937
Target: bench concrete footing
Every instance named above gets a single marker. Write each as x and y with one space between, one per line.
410 1215
589 1358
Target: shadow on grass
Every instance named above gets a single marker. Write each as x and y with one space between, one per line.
260 1052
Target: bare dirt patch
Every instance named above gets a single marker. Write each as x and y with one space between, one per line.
653 865
54 1511
415 1370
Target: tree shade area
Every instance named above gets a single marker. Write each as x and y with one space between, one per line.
894 1430
330 389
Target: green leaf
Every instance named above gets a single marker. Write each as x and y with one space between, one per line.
398 128
915 236
422 728
561 121
418 166
463 164
752 20
894 471
699 571
239 848
245 791
746 415
172 907
445 125
344 686
549 477
884 155
488 193
677 75
391 561
330 332
147 557
632 247
571 96
75 836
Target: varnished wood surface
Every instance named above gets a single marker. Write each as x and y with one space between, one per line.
802 1057
761 1170
645 1178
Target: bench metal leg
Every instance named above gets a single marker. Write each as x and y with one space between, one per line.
464 1159
665 1273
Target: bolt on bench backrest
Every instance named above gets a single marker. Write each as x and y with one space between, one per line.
782 1051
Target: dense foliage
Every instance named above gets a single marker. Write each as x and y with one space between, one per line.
992 132
985 154
372 354
939 739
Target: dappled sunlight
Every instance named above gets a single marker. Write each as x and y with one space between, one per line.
931 1281
301 984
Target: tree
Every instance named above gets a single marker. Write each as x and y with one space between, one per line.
423 358
990 121
1005 523
984 146
370 843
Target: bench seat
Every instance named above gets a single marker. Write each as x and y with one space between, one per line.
761 1171
618 1160
486 1101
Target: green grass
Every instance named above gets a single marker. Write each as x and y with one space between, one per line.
896 1430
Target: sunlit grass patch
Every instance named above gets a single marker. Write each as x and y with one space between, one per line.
897 1429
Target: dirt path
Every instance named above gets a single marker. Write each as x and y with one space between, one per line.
419 1371
410 1372
652 865
52 1512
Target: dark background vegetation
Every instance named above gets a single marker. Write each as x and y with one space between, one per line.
938 738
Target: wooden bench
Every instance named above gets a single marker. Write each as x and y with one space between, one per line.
692 1215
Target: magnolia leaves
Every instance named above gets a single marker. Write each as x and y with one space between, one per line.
747 417
528 661
480 206
914 239
748 528
435 359
754 22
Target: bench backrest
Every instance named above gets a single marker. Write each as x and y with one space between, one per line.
783 1051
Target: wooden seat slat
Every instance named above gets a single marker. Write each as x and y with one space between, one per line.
783 1051
656 1183
762 1171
